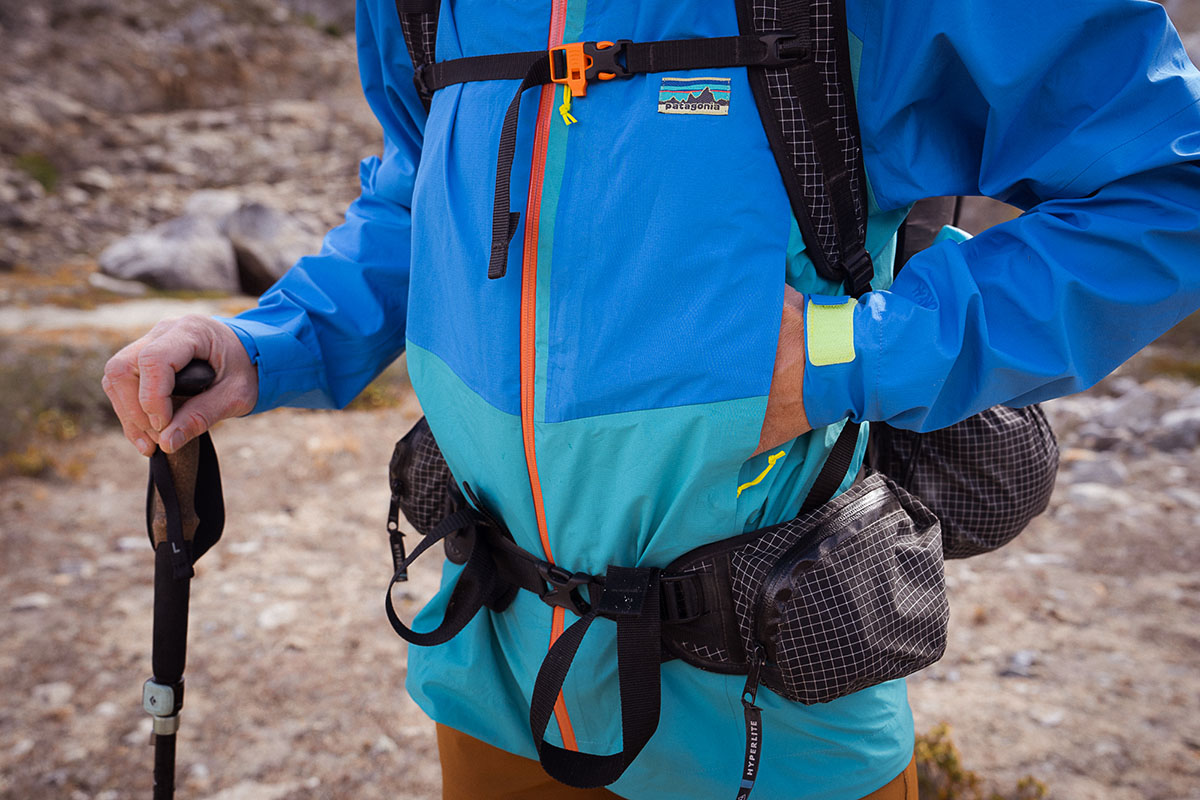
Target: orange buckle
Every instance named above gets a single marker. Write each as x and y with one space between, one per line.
574 64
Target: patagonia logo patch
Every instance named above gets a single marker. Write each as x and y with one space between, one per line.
694 96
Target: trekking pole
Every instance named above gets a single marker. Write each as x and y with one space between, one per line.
172 521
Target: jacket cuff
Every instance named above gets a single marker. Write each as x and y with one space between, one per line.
287 371
836 345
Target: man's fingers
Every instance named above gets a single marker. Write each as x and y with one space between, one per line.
139 381
160 359
197 415
120 384
142 439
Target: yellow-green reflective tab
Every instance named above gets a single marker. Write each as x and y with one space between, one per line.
830 333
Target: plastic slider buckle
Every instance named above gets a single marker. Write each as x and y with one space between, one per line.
860 269
563 591
577 63
782 50
419 80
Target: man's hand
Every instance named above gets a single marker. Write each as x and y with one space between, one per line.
138 381
785 418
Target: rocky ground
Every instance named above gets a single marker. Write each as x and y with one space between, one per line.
1073 651
116 113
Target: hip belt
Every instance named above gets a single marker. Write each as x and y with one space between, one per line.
840 598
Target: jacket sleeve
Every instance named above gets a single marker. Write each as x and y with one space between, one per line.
1082 114
336 319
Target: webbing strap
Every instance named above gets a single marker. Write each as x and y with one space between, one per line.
180 551
631 597
475 586
504 223
631 58
419 22
835 468
810 119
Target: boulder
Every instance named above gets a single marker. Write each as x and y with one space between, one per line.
188 252
1179 430
1102 470
267 242
117 286
214 204
329 14
1136 409
95 180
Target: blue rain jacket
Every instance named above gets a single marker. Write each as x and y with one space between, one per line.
605 397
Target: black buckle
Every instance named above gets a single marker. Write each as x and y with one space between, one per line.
859 270
682 598
563 591
423 89
781 54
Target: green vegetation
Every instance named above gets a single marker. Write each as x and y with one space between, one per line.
329 29
39 167
1174 366
49 394
942 776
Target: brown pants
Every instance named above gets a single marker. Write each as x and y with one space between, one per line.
474 770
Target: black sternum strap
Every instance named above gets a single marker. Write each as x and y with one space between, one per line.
622 59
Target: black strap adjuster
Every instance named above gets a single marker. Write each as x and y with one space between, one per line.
859 270
783 50
420 81
563 591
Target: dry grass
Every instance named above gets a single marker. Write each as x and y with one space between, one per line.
49 394
942 776
388 390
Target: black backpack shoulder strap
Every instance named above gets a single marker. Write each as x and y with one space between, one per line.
811 120
418 22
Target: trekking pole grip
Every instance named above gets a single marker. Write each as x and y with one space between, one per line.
184 463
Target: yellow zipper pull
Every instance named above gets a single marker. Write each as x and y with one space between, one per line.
565 108
770 465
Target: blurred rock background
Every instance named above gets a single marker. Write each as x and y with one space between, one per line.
117 112
236 127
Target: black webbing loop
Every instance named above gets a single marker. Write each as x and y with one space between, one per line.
476 584
179 549
504 224
631 597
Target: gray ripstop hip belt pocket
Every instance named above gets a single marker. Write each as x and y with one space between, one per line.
844 597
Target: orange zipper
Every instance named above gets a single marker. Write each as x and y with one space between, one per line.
541 140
